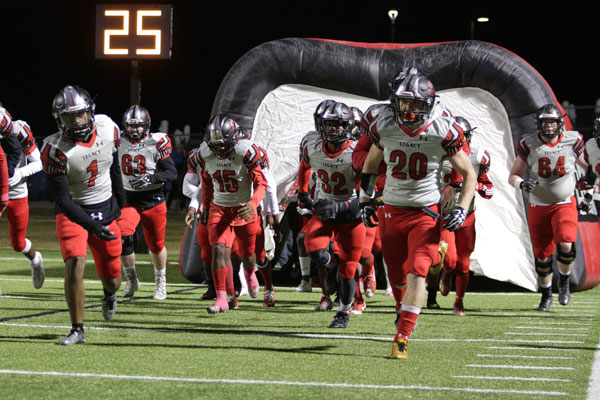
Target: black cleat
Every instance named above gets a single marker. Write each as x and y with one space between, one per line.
564 291
546 300
340 320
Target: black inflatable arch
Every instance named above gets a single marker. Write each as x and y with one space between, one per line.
366 69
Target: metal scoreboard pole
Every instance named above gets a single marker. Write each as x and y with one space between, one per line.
135 83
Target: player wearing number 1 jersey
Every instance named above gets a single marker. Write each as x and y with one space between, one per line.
549 156
412 136
146 164
82 170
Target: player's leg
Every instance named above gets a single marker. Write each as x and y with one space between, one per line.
465 244
540 229
128 221
318 237
154 225
564 224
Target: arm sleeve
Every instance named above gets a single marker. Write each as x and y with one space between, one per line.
196 198
207 190
3 178
271 204
259 185
117 181
303 176
191 181
58 186
165 171
34 164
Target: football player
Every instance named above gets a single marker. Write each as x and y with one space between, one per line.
590 184
146 164
27 157
412 136
549 157
461 242
233 186
82 170
336 217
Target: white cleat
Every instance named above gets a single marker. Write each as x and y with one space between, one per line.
38 275
131 285
160 287
304 286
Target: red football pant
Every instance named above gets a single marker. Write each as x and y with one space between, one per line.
553 224
154 224
17 211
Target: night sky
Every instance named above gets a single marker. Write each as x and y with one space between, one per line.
46 46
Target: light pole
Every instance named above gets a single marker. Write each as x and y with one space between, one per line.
479 19
393 14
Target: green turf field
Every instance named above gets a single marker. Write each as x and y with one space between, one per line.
153 349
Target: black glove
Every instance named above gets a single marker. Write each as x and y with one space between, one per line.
305 200
103 233
455 219
140 182
528 185
326 209
586 203
368 213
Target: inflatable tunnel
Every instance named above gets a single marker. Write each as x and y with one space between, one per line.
273 89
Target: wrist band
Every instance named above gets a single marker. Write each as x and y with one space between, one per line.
517 183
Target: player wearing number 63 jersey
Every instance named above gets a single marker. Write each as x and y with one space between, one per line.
146 164
233 185
549 156
412 135
82 170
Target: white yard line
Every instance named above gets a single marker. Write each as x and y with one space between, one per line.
512 378
536 367
543 334
552 328
280 383
527 357
594 387
525 348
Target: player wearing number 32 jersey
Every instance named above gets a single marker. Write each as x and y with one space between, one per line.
84 181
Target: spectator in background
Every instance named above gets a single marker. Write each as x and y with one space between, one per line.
571 111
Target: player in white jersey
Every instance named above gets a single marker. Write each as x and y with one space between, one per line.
412 137
146 164
233 185
82 170
549 157
336 218
461 242
590 184
28 161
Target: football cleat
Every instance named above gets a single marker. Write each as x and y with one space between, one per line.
433 305
253 291
325 304
370 285
442 249
340 320
132 284
269 299
232 302
209 295
109 307
358 307
38 275
304 286
399 350
218 307
160 287
445 282
74 337
564 291
459 309
389 291
546 300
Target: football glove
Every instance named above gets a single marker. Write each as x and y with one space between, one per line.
528 185
455 219
103 233
140 182
305 200
586 204
368 214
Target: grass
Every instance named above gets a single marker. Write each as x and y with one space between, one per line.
153 349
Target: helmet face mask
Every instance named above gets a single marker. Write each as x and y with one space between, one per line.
222 134
466 128
412 99
318 114
335 126
549 121
73 110
136 122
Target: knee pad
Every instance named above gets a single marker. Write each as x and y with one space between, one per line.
568 257
128 247
320 257
543 268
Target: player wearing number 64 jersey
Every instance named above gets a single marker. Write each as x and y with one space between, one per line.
146 164
549 156
82 171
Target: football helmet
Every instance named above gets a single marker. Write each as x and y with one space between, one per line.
549 112
413 98
134 118
336 123
5 122
357 115
222 134
73 109
319 111
466 128
596 129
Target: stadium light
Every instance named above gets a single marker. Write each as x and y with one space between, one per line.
393 14
480 20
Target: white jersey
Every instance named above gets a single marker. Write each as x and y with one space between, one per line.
592 155
335 175
30 161
231 179
142 157
413 159
86 165
553 165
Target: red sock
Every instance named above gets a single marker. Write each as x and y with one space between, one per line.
229 280
219 279
357 294
462 281
267 275
406 323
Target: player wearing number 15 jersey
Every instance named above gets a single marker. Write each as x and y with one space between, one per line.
146 164
549 156
82 171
